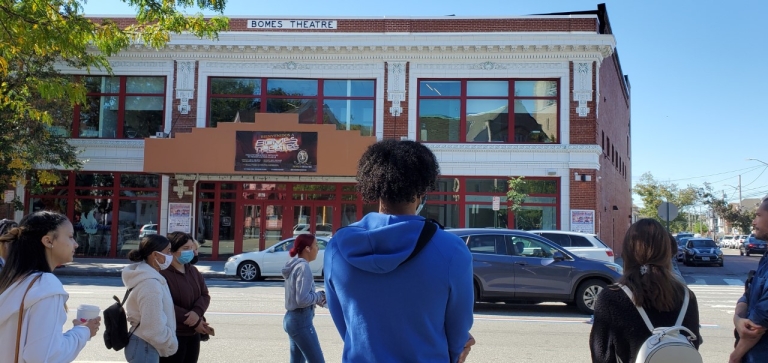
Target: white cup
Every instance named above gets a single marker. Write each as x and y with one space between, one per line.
87 312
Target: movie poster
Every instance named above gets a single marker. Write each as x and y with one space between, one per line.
582 221
180 217
287 151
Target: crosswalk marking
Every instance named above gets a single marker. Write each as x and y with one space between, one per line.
735 282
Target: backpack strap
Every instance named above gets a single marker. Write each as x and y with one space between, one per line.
644 315
21 318
427 232
122 306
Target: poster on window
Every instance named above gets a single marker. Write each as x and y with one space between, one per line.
287 151
582 221
180 217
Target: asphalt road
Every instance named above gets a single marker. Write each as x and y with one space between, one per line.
248 321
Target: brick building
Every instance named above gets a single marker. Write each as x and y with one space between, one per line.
253 137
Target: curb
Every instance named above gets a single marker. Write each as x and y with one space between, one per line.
67 271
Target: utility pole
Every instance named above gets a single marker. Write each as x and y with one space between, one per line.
740 206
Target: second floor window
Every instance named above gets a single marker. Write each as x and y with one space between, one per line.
346 103
121 107
478 111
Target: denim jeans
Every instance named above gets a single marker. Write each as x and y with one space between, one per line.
302 336
139 351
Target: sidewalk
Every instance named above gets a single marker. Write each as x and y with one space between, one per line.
114 267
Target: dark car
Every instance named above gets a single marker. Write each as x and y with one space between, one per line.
753 245
681 248
702 251
511 265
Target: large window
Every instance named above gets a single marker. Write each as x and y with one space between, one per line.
121 107
468 202
479 111
109 211
346 103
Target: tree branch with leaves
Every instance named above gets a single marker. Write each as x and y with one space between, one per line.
39 36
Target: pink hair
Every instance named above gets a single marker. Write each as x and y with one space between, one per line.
301 242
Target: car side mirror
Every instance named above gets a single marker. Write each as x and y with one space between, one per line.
271 250
558 256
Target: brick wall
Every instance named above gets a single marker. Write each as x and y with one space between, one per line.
395 127
583 129
173 196
615 163
531 24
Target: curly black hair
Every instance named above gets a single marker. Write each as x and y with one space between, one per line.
396 171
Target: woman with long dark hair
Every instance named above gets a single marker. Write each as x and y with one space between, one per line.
149 307
300 301
42 241
618 330
190 298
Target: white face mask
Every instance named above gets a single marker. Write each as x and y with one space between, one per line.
166 263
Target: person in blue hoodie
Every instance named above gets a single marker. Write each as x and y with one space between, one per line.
385 308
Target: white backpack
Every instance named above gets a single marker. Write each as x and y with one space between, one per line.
666 344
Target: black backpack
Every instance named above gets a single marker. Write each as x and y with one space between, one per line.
116 333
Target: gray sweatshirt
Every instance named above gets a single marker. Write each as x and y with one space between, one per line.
299 285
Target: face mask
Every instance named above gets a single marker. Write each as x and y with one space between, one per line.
194 260
421 206
164 265
186 256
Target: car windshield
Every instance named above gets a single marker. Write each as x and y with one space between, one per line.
703 244
601 242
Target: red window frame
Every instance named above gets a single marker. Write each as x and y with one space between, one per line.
463 106
264 97
121 105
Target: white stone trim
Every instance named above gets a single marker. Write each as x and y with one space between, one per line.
491 69
185 84
582 85
110 154
162 228
565 202
396 86
290 68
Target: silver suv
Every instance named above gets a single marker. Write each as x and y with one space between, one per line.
585 245
511 265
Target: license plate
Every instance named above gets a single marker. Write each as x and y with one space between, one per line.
705 258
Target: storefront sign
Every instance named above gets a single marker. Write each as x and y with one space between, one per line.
180 217
292 24
582 221
276 151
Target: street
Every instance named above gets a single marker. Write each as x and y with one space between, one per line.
248 320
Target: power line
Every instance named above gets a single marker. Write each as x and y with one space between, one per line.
706 176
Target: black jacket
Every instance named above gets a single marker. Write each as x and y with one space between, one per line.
619 331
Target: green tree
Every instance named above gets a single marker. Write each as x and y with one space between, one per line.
653 192
38 35
516 193
739 217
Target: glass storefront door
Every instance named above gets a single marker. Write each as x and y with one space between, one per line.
262 226
316 218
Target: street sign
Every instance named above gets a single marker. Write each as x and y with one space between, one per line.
496 203
9 195
667 211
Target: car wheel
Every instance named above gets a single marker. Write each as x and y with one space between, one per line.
741 252
721 264
477 293
586 295
248 271
747 253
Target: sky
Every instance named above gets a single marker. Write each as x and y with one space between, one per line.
696 69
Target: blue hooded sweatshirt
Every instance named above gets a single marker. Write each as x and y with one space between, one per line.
418 312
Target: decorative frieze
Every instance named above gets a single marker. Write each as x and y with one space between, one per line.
291 66
490 66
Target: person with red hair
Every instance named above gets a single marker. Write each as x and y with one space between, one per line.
300 301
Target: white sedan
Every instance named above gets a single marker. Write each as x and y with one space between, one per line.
252 266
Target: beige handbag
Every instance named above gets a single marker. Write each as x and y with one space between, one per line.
21 318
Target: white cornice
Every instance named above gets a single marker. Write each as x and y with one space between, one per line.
107 143
558 148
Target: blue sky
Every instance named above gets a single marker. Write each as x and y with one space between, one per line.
694 66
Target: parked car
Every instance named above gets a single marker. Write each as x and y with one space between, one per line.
321 229
681 248
702 251
726 241
742 238
147 229
753 245
682 235
584 245
252 266
511 265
